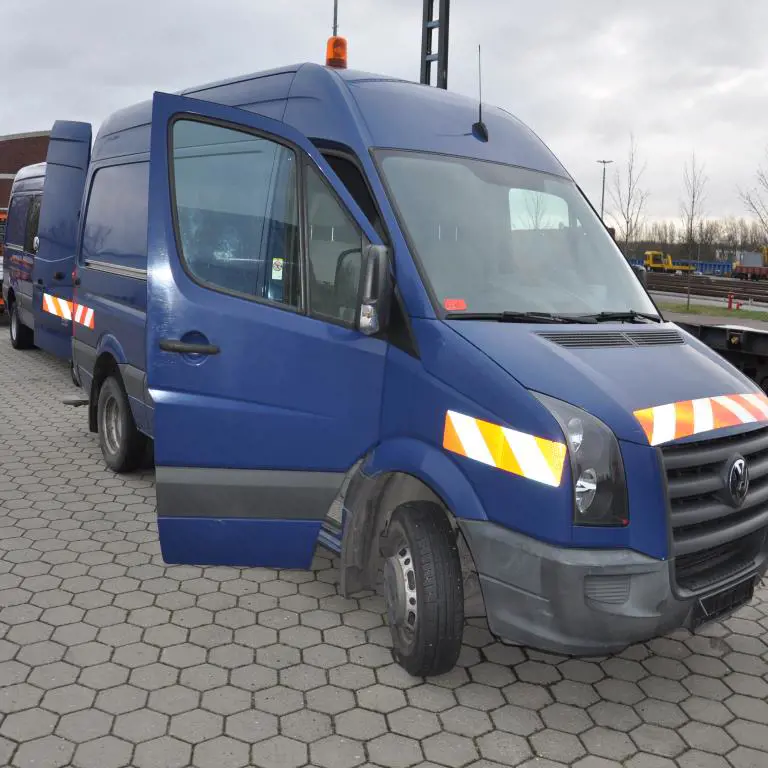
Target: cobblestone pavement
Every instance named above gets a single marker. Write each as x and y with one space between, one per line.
109 658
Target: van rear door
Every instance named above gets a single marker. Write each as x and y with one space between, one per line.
69 153
265 394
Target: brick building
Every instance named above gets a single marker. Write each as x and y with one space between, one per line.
16 151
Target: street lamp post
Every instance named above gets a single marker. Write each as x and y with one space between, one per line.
602 199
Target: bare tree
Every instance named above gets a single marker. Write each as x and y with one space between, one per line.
628 197
756 198
692 207
536 206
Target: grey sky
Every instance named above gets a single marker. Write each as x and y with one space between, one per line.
683 75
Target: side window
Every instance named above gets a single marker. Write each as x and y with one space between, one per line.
115 230
33 223
335 253
353 180
16 228
236 206
532 210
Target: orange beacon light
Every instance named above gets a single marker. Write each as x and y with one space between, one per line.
336 52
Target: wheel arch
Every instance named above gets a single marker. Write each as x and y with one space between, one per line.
398 471
105 366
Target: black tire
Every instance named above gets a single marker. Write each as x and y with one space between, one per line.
21 336
122 445
422 565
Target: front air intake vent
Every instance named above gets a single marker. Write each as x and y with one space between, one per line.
598 339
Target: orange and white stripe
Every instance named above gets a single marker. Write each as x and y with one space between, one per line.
68 310
84 316
674 421
534 458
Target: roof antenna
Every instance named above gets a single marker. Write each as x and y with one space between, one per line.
480 129
336 47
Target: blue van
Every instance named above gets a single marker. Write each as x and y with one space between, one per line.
19 249
39 253
347 312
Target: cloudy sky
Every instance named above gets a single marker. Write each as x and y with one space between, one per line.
683 75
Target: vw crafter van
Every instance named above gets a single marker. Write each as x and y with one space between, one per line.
347 312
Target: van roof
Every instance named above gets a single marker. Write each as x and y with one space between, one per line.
30 172
357 109
30 178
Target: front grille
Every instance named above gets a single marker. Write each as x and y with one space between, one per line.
612 339
714 540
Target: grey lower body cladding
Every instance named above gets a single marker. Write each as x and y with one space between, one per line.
246 493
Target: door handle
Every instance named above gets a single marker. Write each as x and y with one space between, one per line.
77 281
186 348
39 280
58 276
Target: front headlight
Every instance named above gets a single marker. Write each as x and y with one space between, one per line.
599 486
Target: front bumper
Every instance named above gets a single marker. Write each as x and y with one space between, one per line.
576 601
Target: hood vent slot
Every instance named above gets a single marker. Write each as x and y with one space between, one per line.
612 339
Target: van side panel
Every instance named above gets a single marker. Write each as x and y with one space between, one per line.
69 153
112 293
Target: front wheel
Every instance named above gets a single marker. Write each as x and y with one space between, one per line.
21 336
424 589
122 445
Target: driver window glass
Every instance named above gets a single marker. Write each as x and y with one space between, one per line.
533 210
334 248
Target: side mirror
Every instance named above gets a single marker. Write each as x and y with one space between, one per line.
640 273
375 290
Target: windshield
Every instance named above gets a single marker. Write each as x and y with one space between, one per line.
494 238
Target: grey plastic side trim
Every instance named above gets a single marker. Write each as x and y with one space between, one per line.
133 379
251 493
84 356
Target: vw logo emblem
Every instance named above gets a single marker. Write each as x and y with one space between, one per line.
738 481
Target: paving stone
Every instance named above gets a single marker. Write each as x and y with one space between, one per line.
393 751
68 698
504 748
413 722
478 696
105 752
140 725
154 676
336 752
196 726
658 741
29 724
607 743
308 726
279 700
47 752
226 700
84 725
330 699
221 752
173 699
556 745
279 752
15 698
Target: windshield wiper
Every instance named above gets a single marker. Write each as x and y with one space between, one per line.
629 316
518 317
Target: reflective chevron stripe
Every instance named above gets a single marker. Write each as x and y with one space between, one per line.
532 457
68 310
674 421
